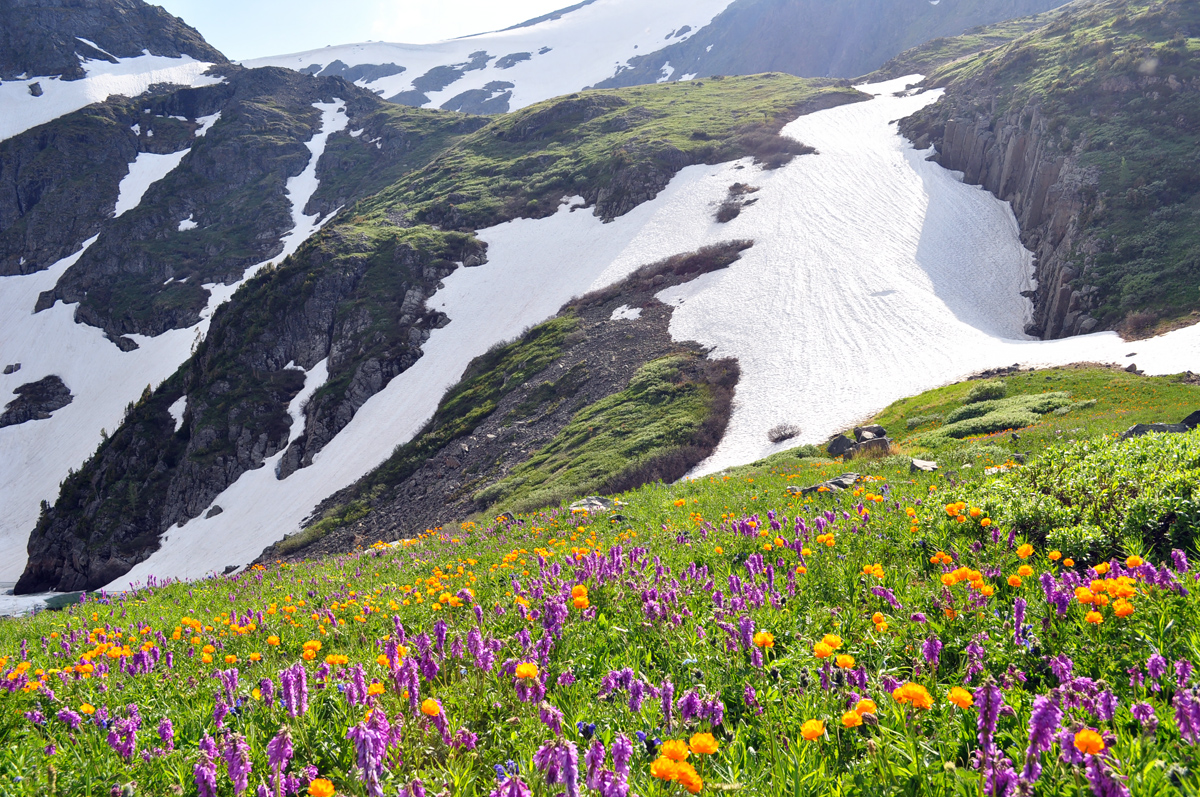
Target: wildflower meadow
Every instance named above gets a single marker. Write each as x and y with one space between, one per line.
909 635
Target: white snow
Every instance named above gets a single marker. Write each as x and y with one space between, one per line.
177 410
206 123
95 46
144 172
102 378
581 46
20 110
187 224
875 275
626 313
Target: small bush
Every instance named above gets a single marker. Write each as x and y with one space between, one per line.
986 391
921 420
971 411
783 431
730 209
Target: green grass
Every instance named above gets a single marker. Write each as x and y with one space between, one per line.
667 587
660 410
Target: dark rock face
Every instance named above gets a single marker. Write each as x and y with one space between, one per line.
1016 157
491 99
38 37
35 401
839 446
353 74
815 38
1154 428
511 60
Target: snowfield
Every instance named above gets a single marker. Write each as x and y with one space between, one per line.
875 275
103 379
129 77
577 50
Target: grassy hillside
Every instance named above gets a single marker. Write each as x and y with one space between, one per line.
904 636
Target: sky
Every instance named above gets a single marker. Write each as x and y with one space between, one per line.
245 29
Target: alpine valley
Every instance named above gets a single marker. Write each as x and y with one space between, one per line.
303 303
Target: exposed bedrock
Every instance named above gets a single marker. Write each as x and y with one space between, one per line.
1017 158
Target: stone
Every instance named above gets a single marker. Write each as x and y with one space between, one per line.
1150 428
835 485
36 89
229 569
12 369
594 503
216 510
1132 368
839 445
875 445
507 518
1191 421
35 401
871 432
919 465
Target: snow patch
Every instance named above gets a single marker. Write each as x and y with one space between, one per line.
667 71
574 50
206 123
177 410
20 111
626 313
144 172
188 224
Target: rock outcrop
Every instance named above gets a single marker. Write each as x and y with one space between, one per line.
1018 158
35 401
47 37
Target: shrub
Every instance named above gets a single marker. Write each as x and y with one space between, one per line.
986 391
921 420
783 431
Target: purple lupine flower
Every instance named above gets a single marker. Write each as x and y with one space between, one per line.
1187 716
266 688
1102 780
637 693
370 745
279 753
714 711
622 752
166 734
1106 705
237 761
570 768
70 718
511 787
667 693
746 632
918 617
1183 671
294 694
204 771
548 760
1018 618
1043 724
932 650
565 679
593 759
36 717
988 700
1156 666
465 740
751 698
1144 713
689 706
551 717
1062 667
887 595
414 789
229 680
1180 560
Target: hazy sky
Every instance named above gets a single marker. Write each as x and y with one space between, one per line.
248 28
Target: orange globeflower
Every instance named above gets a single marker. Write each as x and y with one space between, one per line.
376 689
703 744
832 640
430 707
1102 568
1055 556
664 768
813 730
529 670
1014 581
1134 561
961 697
578 591
675 749
1069 562
1095 618
321 787
581 602
1025 551
844 661
1122 607
822 651
851 719
764 639
688 777
87 708
913 693
273 641
1025 571
865 706
1088 741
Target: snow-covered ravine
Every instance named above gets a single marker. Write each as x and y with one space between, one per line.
102 378
874 275
20 110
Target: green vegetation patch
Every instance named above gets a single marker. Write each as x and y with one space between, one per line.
660 410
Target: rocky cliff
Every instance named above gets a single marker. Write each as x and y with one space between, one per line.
1089 126
49 37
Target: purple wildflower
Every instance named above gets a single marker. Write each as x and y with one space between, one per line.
237 760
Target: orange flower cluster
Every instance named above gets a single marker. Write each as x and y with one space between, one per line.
913 693
579 597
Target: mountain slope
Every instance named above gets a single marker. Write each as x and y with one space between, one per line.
1090 126
613 43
